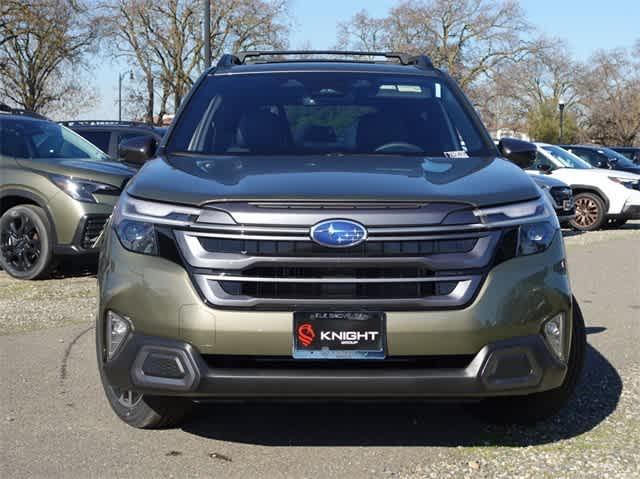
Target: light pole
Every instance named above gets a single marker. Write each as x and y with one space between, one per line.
120 76
561 105
206 33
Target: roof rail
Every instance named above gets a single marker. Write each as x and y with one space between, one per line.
4 108
421 61
104 123
228 60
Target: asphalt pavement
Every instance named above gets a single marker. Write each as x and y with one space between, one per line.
55 421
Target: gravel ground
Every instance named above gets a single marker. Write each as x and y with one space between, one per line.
54 418
62 300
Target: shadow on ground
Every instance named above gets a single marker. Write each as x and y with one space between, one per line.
629 226
404 423
73 267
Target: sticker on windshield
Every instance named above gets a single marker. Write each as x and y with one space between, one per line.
456 154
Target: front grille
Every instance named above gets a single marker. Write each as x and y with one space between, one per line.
308 248
416 265
560 194
329 291
323 272
91 230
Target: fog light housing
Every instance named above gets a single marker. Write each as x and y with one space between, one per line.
118 328
554 331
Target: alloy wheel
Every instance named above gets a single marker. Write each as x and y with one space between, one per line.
587 212
126 397
20 243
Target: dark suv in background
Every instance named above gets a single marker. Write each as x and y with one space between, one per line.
108 135
602 157
631 152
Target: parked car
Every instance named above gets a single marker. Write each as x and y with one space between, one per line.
560 195
334 229
56 192
107 135
601 196
631 152
601 157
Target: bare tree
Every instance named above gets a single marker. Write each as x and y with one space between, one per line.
363 33
610 93
164 39
524 96
130 42
43 52
468 38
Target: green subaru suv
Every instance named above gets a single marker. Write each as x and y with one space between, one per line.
333 229
57 191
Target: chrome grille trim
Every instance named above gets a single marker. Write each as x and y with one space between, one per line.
195 254
374 232
336 205
258 279
420 262
461 294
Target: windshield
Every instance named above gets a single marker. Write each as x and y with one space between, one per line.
564 159
618 159
322 113
37 139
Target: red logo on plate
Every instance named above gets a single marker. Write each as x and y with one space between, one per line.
306 334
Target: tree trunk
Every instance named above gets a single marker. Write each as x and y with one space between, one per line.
150 100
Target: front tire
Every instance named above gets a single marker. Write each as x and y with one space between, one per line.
590 212
538 406
26 251
141 410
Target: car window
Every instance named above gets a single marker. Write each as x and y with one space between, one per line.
541 161
618 159
564 158
337 113
100 139
37 139
592 157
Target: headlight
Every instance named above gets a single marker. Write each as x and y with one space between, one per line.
536 223
626 182
134 220
137 236
535 237
83 190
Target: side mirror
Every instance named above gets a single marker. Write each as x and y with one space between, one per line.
544 168
138 150
522 153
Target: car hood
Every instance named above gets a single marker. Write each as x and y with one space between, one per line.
546 180
197 180
577 174
628 169
109 172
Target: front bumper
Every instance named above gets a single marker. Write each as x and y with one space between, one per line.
630 212
76 223
169 317
159 366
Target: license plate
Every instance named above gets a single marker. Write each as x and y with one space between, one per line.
339 335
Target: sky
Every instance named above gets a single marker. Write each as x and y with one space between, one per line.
586 26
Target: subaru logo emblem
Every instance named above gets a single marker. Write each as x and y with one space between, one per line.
338 233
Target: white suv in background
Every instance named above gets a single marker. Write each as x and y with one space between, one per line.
601 196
